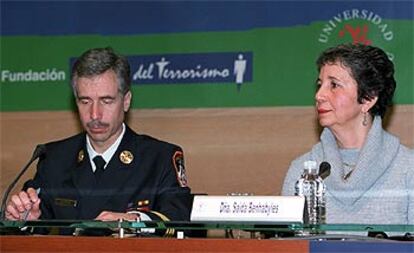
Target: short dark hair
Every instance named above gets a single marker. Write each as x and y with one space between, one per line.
371 68
96 61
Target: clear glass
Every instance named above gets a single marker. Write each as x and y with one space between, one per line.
276 227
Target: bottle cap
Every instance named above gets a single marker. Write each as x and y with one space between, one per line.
310 166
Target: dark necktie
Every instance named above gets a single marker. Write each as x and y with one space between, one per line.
100 164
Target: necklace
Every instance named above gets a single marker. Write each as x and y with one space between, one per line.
350 168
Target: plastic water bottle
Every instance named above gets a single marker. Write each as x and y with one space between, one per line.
311 186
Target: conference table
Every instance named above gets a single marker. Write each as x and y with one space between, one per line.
204 237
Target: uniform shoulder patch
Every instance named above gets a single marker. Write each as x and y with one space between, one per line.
178 161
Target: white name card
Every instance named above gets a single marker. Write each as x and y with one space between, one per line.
266 209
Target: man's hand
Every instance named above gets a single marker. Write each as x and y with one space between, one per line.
24 206
113 216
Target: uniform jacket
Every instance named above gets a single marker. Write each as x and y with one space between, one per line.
144 174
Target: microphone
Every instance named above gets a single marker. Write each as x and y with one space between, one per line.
324 170
38 152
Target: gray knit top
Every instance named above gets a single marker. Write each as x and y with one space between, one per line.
380 189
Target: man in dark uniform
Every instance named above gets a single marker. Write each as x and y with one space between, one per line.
108 172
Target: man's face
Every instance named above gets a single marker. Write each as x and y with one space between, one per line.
101 108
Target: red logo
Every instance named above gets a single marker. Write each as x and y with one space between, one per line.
358 34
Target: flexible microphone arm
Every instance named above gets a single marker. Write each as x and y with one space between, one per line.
39 151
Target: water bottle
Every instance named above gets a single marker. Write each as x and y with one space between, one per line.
311 186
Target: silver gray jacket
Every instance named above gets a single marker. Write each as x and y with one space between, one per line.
381 188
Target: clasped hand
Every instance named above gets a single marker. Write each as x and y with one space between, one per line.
24 206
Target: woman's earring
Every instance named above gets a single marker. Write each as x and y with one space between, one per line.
365 121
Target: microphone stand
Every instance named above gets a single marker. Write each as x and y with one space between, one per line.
39 151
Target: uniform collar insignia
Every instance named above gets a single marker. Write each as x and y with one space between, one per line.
81 155
126 157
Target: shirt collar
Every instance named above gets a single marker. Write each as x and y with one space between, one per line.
107 154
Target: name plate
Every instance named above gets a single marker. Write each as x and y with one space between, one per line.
267 209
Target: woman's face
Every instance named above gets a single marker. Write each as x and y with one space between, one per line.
336 98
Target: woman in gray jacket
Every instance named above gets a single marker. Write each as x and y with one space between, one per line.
372 173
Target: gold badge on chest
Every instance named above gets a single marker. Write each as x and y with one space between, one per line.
126 157
81 155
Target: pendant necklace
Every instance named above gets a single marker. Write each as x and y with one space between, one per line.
350 169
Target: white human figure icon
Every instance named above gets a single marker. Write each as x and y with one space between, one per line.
239 69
